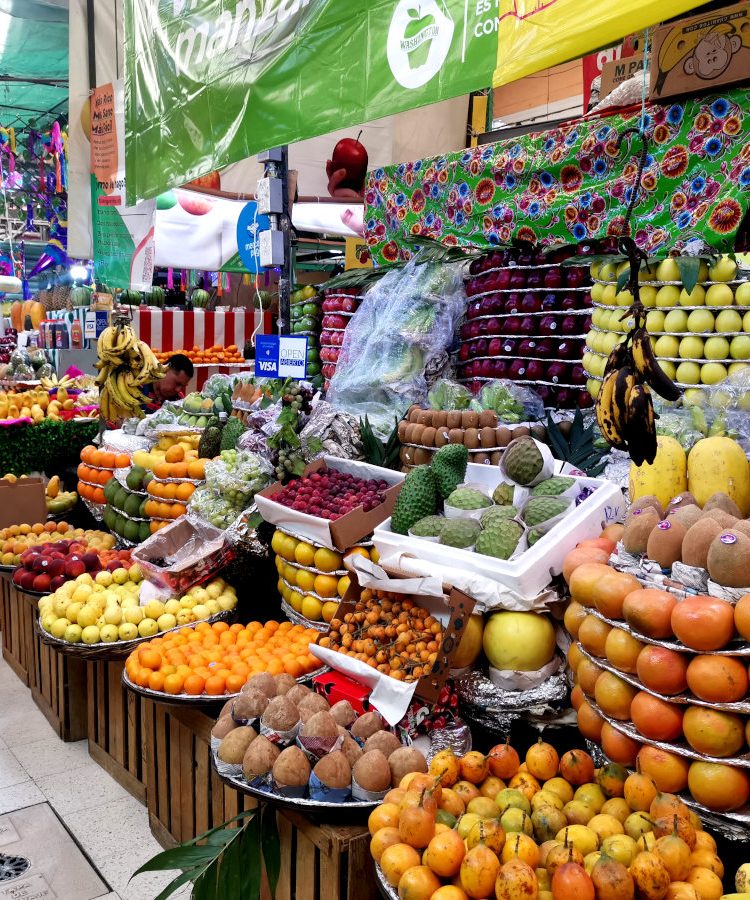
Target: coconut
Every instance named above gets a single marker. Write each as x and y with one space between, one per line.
249 705
298 693
343 713
367 725
259 758
223 726
334 771
284 683
234 746
372 772
351 749
262 682
312 704
291 768
403 761
320 725
384 741
280 714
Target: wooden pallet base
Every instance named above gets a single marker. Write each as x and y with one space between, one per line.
114 727
17 624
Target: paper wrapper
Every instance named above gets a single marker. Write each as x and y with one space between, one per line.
228 770
548 463
359 793
286 790
315 748
325 794
280 738
455 512
693 577
549 524
524 681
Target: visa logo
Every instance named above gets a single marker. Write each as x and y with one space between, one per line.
267 366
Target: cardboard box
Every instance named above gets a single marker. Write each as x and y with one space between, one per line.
617 72
344 532
701 53
22 501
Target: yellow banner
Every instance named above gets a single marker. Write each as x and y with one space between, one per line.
536 34
357 254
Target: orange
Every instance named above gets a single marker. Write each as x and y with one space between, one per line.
165 510
218 627
194 684
197 469
234 683
150 659
215 686
156 681
169 491
142 677
185 491
103 476
173 684
162 470
87 453
123 461
107 460
176 453
177 510
98 496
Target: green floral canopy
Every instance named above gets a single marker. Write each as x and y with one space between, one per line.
573 184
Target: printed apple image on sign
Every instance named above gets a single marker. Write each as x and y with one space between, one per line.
419 39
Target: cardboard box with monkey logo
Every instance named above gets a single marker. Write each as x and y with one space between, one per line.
699 54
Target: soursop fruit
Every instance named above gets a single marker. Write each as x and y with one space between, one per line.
499 539
430 526
449 468
523 460
460 532
540 509
418 498
498 512
503 493
552 487
468 498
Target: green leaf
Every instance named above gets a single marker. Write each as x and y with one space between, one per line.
271 846
622 279
252 861
556 438
176 883
205 885
228 881
314 445
689 267
182 857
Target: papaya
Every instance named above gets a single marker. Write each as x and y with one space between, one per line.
719 464
53 486
16 315
665 478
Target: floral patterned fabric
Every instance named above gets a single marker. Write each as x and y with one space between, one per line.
572 184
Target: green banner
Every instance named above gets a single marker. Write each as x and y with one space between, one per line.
211 82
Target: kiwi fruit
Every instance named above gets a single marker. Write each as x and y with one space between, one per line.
284 683
453 419
456 436
320 725
424 417
262 682
312 704
728 561
403 761
384 741
234 746
742 525
687 516
502 436
280 714
428 436
488 419
683 499
471 438
351 749
372 772
224 725
343 713
697 540
291 768
639 525
402 426
720 500
334 771
470 419
644 502
414 412
442 436
725 519
665 543
259 757
521 431
487 438
298 693
539 432
249 705
367 725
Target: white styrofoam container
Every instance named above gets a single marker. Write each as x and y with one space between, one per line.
496 583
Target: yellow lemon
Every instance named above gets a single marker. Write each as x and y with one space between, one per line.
343 585
327 560
304 554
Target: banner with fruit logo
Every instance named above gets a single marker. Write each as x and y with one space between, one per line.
573 184
211 82
536 34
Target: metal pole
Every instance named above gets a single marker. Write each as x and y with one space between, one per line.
285 225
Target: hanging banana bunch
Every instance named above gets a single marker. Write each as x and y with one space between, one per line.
125 364
624 406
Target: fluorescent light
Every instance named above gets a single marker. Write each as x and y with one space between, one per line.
79 273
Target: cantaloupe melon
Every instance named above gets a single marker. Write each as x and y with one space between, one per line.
719 464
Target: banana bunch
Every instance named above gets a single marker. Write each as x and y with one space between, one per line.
125 364
52 382
624 406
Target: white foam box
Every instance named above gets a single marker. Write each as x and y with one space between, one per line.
517 584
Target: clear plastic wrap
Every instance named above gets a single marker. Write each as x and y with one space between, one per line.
238 475
512 402
448 395
218 384
687 425
404 322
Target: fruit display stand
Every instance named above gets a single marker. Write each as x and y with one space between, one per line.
339 305
17 625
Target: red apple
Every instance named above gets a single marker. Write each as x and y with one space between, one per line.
558 373
27 581
194 204
56 567
351 155
517 370
41 583
74 568
584 399
499 368
535 370
56 582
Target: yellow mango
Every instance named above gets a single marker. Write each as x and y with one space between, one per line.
12 411
53 486
69 404
37 413
719 464
665 478
25 412
62 395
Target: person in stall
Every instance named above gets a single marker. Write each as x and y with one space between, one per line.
171 386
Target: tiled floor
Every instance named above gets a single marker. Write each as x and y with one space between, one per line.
107 823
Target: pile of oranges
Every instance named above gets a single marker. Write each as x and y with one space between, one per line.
215 354
172 485
96 468
218 659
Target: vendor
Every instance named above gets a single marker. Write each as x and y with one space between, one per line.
172 385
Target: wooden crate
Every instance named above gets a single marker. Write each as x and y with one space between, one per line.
17 624
185 798
115 727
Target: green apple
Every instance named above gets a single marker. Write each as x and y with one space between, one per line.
739 347
691 348
655 320
669 368
696 298
716 348
596 292
594 270
109 634
667 270
700 321
728 320
607 272
624 298
608 294
713 373
719 295
694 397
676 321
648 295
723 270
127 631
746 322
72 634
688 373
737 367
667 295
593 387
742 294
667 346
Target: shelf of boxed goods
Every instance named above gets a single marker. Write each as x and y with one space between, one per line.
339 305
526 322
730 345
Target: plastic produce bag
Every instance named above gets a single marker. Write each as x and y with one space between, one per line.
217 384
448 395
404 322
238 475
512 402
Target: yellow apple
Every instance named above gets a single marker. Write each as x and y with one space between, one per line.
127 631
148 628
104 578
113 615
166 621
133 614
153 609
172 607
135 573
109 633
73 634
90 634
58 627
120 576
200 611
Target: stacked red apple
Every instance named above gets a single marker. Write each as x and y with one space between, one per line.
526 321
45 567
338 308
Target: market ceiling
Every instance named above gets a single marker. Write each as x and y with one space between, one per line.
33 61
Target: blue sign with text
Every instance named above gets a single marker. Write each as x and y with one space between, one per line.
280 356
249 226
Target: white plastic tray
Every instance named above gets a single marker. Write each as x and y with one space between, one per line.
517 584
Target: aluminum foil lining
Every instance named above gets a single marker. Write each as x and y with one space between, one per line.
455 737
96 509
337 431
618 471
122 442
